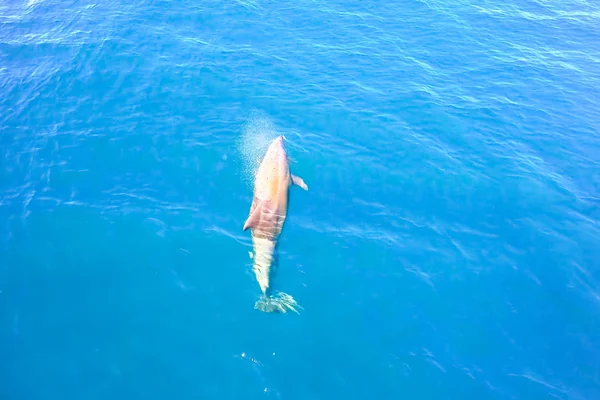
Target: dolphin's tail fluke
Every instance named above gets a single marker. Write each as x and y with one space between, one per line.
263 257
279 302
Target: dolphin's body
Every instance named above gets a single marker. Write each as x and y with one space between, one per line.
266 219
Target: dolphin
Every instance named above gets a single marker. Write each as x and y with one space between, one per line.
266 218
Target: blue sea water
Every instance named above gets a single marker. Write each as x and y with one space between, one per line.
448 246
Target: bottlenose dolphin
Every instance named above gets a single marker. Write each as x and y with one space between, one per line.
267 215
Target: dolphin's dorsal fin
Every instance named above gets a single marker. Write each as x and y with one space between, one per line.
253 218
296 180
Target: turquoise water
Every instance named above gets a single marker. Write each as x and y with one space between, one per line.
447 247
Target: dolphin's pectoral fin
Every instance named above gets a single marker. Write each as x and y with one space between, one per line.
253 218
296 180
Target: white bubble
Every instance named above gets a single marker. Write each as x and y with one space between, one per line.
258 132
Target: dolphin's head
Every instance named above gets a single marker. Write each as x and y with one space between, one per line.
276 147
